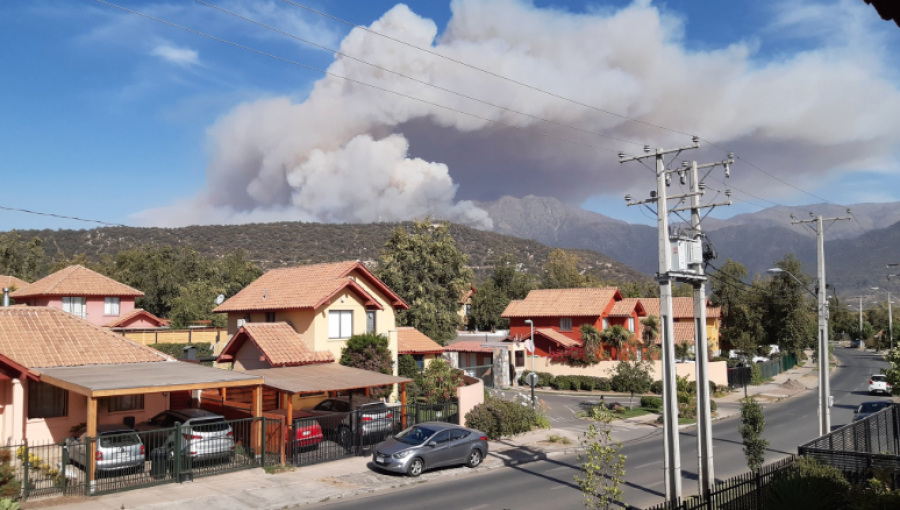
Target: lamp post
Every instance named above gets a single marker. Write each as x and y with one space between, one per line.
533 374
824 383
890 318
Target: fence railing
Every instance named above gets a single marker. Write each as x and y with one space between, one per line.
747 491
740 376
863 446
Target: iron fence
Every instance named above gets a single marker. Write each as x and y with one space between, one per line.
747 491
738 377
315 439
862 447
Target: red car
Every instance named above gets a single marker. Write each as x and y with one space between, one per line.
305 432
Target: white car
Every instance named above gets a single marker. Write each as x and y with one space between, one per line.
878 384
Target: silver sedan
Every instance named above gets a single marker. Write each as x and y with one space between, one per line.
431 445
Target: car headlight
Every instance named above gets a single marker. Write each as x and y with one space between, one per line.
403 454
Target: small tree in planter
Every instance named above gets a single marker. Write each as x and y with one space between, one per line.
632 377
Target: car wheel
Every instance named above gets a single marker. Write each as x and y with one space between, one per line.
415 468
474 458
344 437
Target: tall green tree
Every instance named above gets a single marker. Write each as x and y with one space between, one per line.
24 260
742 307
424 266
505 283
561 271
791 314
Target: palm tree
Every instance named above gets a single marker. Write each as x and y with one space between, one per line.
592 340
649 334
618 337
682 349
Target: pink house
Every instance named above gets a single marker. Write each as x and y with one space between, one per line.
84 293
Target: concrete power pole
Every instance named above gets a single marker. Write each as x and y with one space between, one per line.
706 474
824 359
672 457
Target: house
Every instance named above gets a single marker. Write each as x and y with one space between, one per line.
558 315
325 304
465 305
413 342
58 371
84 293
683 318
137 319
12 283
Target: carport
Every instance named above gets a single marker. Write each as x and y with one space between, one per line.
113 380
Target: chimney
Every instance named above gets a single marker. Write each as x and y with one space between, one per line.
5 296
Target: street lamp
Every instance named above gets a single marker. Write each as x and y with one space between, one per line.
533 374
890 318
824 358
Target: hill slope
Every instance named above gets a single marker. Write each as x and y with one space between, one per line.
292 243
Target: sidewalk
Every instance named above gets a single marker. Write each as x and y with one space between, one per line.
254 489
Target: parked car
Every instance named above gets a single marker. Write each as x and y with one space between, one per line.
868 408
305 432
854 344
431 445
119 450
205 436
878 384
373 420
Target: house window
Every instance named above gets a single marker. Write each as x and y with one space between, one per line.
565 324
420 361
125 403
370 321
340 324
111 306
270 316
631 324
46 400
468 308
605 323
74 305
520 358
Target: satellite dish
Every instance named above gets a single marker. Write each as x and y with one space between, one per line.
220 299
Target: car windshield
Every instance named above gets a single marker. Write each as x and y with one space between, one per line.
209 425
878 378
118 439
871 407
414 436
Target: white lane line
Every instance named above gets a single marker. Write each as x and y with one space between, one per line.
476 507
645 465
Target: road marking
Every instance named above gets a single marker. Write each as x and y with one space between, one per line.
476 507
646 465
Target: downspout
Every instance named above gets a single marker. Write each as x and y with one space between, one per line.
5 296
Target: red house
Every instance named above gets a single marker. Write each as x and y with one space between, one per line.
559 313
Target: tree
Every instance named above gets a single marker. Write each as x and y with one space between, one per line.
561 271
368 351
742 311
493 296
602 466
20 259
682 350
618 337
753 423
892 373
592 340
407 367
195 302
424 266
650 330
632 377
439 382
790 319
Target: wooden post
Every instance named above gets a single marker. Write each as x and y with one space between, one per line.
288 422
368 391
224 395
256 412
92 433
403 406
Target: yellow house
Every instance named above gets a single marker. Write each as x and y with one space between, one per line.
683 317
318 308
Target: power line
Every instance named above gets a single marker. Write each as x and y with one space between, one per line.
351 80
567 99
14 209
422 82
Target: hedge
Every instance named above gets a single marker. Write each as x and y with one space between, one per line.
176 350
501 418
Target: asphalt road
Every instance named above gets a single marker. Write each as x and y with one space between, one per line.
549 483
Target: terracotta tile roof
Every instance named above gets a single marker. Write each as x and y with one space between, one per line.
117 322
468 346
413 341
11 282
714 312
40 336
306 287
278 342
682 307
467 294
76 281
684 333
626 307
562 303
556 336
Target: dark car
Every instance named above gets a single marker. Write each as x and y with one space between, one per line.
204 435
372 420
867 409
431 445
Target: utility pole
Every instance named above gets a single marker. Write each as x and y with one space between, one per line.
822 298
672 457
706 474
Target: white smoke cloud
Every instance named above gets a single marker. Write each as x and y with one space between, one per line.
333 157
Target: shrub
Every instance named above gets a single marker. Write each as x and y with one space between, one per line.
407 367
176 350
656 387
756 377
602 384
651 402
713 406
544 379
561 382
501 418
586 383
439 382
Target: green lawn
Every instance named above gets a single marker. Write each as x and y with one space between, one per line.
629 413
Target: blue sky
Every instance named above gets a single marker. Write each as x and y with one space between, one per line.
106 114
